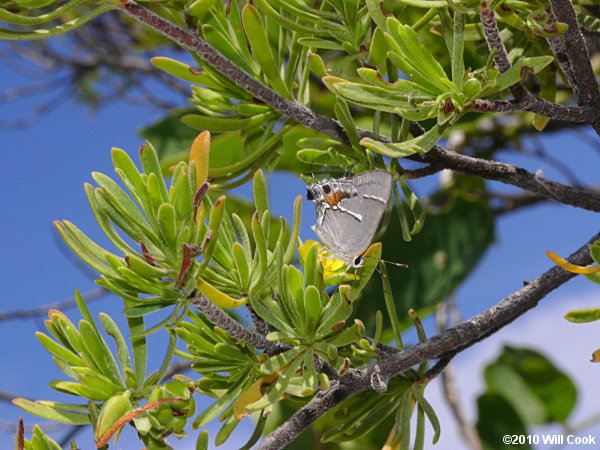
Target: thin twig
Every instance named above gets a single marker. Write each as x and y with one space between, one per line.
556 45
538 105
445 311
455 339
495 44
511 203
43 310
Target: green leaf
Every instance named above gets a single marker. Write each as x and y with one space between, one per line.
241 264
58 350
226 123
414 60
388 98
496 419
277 390
261 192
215 409
312 300
54 31
376 12
261 50
320 43
538 391
583 315
112 330
198 8
50 413
420 144
202 441
151 165
261 250
277 362
349 335
516 73
226 430
99 353
458 47
227 47
19 19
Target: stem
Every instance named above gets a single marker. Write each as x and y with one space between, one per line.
494 41
389 304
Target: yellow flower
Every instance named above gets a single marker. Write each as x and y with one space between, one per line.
335 271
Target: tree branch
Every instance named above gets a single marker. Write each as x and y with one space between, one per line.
510 174
534 104
218 317
579 57
505 173
455 339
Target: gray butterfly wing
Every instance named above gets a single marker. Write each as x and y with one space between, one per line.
349 229
375 184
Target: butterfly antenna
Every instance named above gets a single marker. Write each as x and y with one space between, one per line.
404 266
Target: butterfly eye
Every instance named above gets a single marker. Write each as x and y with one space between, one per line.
309 195
358 261
326 189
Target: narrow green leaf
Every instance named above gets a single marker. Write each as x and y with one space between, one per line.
420 144
151 165
50 413
349 335
215 409
391 305
228 427
583 315
261 49
99 352
242 265
58 350
277 390
312 301
227 123
54 31
112 330
261 191
166 362
516 73
289 251
430 413
458 47
202 441
167 224
277 362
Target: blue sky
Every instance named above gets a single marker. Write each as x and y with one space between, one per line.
42 174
